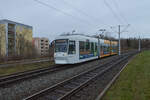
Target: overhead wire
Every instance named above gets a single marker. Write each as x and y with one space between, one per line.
63 12
94 19
121 15
117 7
113 12
77 9
82 12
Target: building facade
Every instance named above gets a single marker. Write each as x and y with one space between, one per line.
15 39
41 46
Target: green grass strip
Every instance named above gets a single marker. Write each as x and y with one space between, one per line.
134 82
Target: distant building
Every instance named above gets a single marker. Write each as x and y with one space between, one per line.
41 46
15 39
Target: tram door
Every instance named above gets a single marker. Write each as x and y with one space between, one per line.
99 48
72 50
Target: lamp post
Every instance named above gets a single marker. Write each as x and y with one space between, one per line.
139 44
119 40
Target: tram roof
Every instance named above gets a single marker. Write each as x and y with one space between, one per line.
79 38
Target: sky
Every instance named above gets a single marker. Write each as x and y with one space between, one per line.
50 18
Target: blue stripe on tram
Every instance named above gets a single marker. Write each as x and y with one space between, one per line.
86 56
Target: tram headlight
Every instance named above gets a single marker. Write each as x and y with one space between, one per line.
65 54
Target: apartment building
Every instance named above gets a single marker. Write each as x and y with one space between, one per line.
15 38
41 45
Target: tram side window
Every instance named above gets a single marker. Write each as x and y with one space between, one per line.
104 48
72 47
92 47
87 46
108 48
95 47
81 46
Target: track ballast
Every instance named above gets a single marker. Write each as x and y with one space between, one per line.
67 89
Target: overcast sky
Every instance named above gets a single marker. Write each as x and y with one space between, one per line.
84 16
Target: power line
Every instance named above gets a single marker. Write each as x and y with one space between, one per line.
113 12
124 30
81 11
121 15
70 15
61 11
94 19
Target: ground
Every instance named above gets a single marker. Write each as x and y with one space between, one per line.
24 67
134 81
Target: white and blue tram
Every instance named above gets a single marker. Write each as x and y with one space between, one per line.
71 49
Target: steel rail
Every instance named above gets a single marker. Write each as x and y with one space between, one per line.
5 80
13 78
69 94
65 89
99 97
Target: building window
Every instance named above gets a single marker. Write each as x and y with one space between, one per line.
42 44
42 40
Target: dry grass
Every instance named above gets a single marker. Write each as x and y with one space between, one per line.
23 67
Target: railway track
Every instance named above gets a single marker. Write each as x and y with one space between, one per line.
21 76
6 80
66 89
23 62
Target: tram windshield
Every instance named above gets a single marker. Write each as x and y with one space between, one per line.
61 45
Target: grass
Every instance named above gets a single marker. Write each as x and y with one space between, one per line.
23 67
134 82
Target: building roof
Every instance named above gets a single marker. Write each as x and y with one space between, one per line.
12 22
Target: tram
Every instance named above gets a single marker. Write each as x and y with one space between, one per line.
72 49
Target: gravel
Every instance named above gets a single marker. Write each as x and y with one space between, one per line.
97 86
25 88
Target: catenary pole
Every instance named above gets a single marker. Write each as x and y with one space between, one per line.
119 47
119 37
139 44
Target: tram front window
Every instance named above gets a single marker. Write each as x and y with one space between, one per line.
61 45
